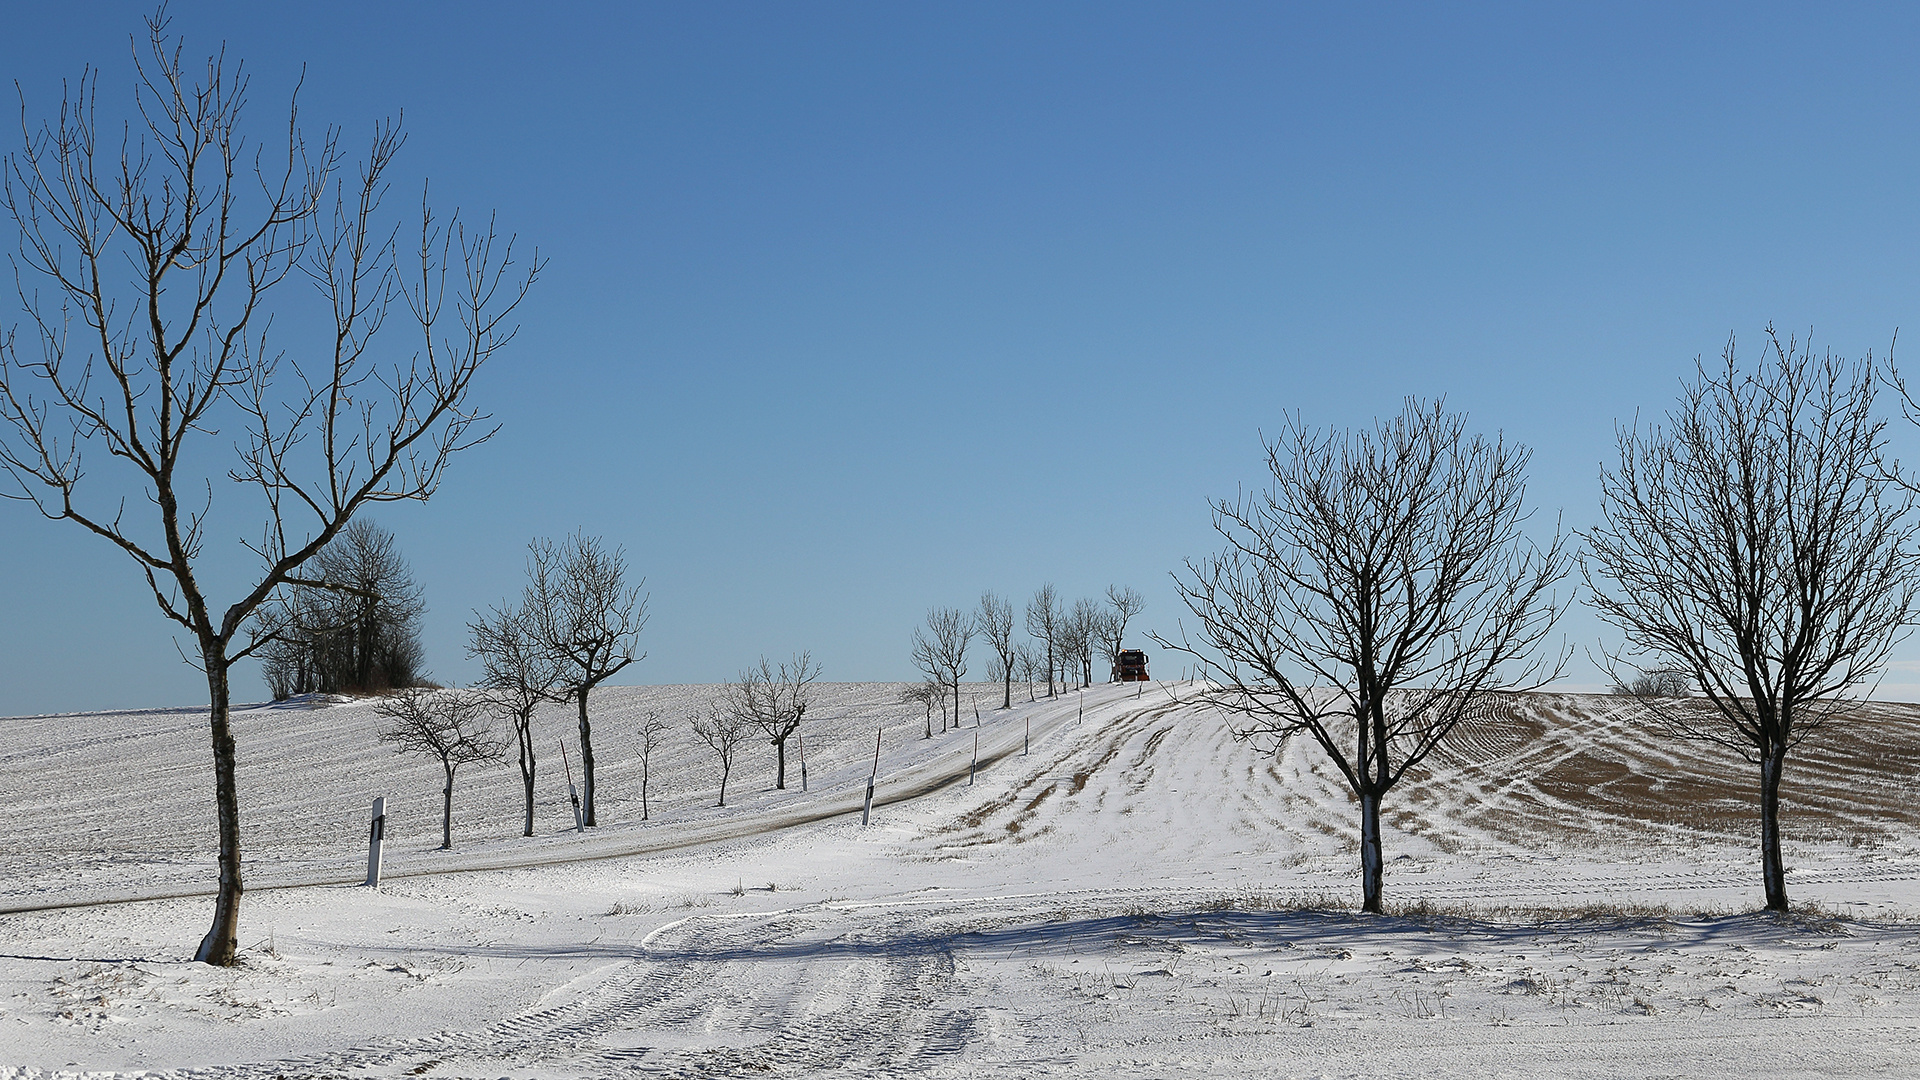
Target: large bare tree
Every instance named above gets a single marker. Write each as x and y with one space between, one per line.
520 674
151 269
450 725
1044 617
589 617
1754 547
775 698
1372 597
996 625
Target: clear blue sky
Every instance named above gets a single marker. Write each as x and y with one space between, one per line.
857 309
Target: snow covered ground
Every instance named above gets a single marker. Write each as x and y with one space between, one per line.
1138 896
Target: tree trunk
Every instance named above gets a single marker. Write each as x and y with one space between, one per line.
956 703
1773 870
1006 691
446 814
929 719
726 769
527 765
643 787
223 938
1050 666
780 772
586 758
1371 864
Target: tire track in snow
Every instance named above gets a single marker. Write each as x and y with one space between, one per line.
802 991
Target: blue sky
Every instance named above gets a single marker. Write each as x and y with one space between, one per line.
857 309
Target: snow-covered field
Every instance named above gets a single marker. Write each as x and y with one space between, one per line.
1138 896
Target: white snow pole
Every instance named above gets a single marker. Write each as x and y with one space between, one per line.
976 711
579 818
866 812
803 763
975 767
376 841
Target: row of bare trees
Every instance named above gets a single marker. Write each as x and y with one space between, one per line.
522 672
1757 551
1060 648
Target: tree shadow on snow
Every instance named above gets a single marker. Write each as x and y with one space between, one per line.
803 935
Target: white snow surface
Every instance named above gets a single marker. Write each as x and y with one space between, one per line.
1141 895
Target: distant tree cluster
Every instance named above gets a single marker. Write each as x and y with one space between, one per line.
354 629
1061 646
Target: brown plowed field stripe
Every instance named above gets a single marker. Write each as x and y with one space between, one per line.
1575 761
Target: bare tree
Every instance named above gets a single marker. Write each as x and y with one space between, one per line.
1122 606
996 625
722 729
162 256
1029 662
775 699
926 659
520 673
948 633
1377 593
652 731
1080 636
449 724
1044 617
927 693
590 618
1754 545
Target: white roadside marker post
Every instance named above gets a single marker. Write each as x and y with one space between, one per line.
974 768
579 818
866 812
803 763
376 841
